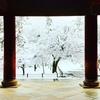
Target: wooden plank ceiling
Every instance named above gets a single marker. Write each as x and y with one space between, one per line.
48 7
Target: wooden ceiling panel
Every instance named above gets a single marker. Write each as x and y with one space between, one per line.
47 7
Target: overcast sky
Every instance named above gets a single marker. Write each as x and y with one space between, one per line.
56 19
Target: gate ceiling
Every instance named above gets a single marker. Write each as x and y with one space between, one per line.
48 7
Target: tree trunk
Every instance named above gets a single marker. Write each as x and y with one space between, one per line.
35 67
23 69
55 64
43 68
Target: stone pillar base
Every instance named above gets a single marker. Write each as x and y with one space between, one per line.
91 83
9 83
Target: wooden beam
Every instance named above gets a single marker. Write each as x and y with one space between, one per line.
47 7
96 2
4 6
91 61
9 52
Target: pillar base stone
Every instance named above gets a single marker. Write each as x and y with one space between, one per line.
9 83
91 83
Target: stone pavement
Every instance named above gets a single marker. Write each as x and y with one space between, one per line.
66 89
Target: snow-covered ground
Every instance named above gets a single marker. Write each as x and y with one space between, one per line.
68 69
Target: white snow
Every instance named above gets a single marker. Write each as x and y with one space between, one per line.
69 66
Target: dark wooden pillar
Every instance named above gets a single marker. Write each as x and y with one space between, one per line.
9 52
91 61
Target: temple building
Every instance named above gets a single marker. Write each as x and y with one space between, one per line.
9 9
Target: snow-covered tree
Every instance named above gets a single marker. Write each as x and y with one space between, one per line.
99 41
1 24
1 42
58 42
21 42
